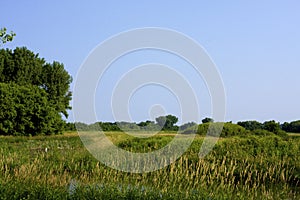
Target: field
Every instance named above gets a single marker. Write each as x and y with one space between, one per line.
59 167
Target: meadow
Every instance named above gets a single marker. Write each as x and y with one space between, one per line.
239 167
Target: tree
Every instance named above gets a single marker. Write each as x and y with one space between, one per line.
271 126
251 125
109 126
187 126
167 122
69 126
146 123
286 127
25 110
293 126
207 120
161 121
56 82
24 67
49 83
6 37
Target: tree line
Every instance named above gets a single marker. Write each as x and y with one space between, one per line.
164 123
168 123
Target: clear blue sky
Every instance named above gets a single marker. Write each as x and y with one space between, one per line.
255 45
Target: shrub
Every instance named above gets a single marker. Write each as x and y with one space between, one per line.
228 129
262 132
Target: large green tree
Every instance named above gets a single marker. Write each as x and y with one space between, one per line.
24 68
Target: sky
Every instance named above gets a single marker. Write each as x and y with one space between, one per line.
254 44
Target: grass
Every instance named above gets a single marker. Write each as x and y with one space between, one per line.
292 135
250 167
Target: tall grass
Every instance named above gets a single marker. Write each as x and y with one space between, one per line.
237 168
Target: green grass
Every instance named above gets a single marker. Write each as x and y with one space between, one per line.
251 167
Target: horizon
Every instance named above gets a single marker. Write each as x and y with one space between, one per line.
200 122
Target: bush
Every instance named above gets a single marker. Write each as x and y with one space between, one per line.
228 130
251 125
262 132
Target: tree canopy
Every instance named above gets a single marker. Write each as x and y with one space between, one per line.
37 91
167 122
25 110
207 120
251 125
293 126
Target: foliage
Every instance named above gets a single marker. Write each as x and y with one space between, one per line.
262 132
25 69
117 126
27 111
69 126
167 122
207 120
80 126
188 128
109 126
266 128
56 82
293 126
228 129
251 125
149 126
6 37
271 126
146 123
